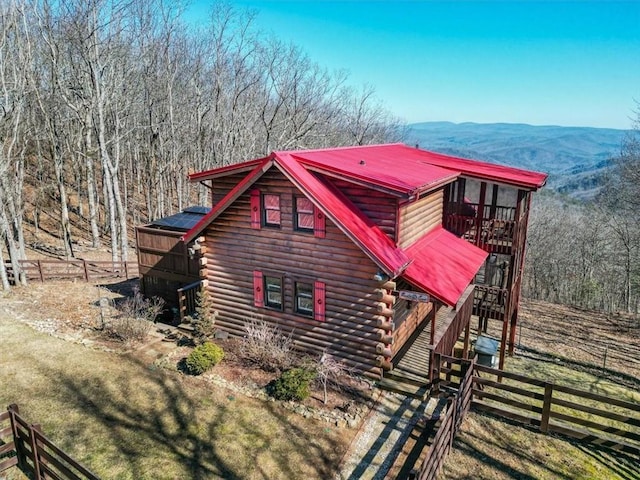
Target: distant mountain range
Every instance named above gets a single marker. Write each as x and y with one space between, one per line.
574 157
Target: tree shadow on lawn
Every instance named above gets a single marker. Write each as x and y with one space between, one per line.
491 452
165 425
627 466
624 464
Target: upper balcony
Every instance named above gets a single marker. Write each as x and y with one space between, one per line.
490 216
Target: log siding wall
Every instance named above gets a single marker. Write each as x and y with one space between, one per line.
380 207
235 250
417 218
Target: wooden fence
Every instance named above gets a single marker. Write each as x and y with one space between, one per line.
450 421
87 270
27 448
584 416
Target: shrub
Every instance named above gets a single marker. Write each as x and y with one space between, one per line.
330 372
293 384
265 346
205 317
203 357
136 318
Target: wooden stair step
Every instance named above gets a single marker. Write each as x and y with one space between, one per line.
403 388
186 328
406 377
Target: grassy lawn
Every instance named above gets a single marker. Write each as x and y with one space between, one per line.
493 449
125 419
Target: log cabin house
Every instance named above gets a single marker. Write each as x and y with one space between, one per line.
355 250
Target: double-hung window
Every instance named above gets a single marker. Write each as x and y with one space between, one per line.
304 298
271 216
308 296
304 214
273 292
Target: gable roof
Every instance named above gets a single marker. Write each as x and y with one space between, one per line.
239 189
393 167
526 179
457 263
349 218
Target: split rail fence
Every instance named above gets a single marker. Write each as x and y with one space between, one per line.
87 270
586 417
24 446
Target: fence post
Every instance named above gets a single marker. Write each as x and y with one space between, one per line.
22 458
126 270
40 272
34 452
546 407
452 403
36 428
86 271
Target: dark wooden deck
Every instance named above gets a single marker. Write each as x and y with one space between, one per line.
411 363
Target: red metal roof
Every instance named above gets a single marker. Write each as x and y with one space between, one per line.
406 169
258 169
228 169
439 263
527 179
393 167
443 265
335 205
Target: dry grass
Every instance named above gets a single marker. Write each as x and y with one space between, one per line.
492 449
126 419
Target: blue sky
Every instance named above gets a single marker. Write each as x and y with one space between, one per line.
544 63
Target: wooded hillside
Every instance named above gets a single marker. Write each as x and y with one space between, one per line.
106 105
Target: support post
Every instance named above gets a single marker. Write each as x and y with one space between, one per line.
465 348
546 407
86 271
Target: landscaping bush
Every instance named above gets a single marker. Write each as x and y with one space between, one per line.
293 384
136 318
204 319
265 346
203 357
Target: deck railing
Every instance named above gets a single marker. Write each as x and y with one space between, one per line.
490 302
494 230
188 299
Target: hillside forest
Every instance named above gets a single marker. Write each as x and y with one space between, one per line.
107 105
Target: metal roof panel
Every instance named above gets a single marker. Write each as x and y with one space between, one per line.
443 265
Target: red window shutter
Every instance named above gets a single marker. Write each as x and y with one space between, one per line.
319 228
319 301
258 286
255 209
